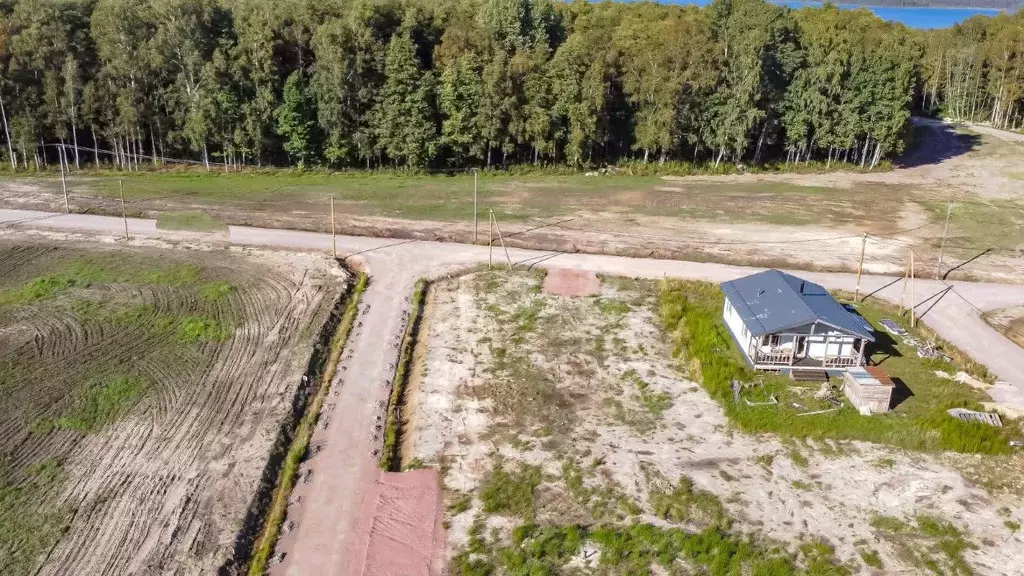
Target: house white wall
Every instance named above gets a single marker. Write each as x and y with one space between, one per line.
737 327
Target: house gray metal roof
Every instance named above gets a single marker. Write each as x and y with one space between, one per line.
773 301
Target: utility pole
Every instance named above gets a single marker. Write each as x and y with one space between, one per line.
860 266
63 180
502 240
334 236
903 294
124 212
913 313
942 247
490 239
476 173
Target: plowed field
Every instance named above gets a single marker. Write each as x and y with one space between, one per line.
141 390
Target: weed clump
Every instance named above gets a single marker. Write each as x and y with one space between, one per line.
686 504
101 403
928 542
194 329
511 493
216 291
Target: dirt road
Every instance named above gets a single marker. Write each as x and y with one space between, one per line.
325 509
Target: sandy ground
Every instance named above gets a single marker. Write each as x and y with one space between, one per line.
325 509
165 489
465 423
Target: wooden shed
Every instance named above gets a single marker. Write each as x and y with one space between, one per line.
869 388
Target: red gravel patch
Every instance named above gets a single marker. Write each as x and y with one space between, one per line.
400 532
568 282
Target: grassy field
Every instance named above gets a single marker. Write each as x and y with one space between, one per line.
116 364
975 225
190 220
447 198
691 314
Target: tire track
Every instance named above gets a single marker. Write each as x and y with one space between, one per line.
162 490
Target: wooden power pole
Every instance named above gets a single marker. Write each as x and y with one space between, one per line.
942 246
903 293
124 212
63 179
502 240
860 266
334 235
476 174
913 313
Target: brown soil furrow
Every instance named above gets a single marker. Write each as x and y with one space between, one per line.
162 489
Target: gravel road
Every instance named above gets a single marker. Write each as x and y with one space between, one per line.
326 513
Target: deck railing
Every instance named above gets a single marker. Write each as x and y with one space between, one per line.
780 357
839 361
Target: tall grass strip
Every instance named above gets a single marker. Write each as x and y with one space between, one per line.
390 457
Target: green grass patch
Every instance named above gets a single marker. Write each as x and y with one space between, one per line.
101 403
926 542
871 558
511 493
92 269
28 528
190 220
173 275
691 314
390 457
601 497
798 458
651 405
300 443
76 275
689 505
635 549
976 225
192 329
612 306
216 291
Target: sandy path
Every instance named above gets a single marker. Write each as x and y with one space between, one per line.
344 469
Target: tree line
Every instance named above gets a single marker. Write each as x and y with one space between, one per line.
480 83
975 71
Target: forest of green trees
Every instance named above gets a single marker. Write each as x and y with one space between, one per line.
484 83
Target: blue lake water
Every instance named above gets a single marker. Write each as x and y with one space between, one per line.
913 17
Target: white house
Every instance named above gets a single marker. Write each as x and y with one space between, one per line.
781 321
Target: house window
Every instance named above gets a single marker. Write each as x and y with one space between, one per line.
770 340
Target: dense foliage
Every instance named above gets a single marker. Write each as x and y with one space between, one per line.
460 83
975 71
